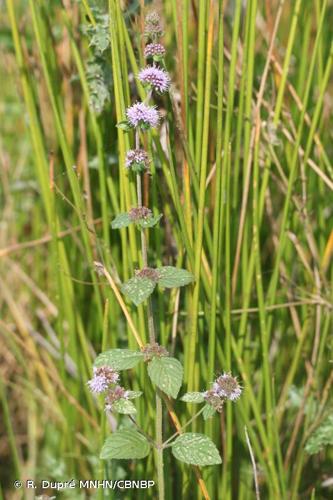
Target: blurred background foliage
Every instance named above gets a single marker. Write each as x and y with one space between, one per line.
264 307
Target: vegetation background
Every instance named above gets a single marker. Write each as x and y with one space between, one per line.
243 173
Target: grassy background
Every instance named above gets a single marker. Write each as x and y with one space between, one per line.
243 174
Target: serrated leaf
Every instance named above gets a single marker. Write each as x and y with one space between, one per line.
150 221
193 397
133 394
171 277
196 449
167 374
138 289
121 220
119 359
125 444
124 406
208 411
321 437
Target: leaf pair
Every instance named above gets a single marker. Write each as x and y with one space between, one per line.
191 448
125 219
139 288
165 372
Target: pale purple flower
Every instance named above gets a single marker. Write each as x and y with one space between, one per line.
156 78
154 50
137 160
141 115
103 377
227 387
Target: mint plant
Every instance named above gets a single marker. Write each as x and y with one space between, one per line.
164 371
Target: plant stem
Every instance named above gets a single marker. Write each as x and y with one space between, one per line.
179 431
152 339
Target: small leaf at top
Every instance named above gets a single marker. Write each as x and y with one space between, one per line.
119 359
167 374
193 397
121 220
125 444
196 449
138 289
171 277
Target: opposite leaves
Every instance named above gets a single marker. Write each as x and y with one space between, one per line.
139 288
125 219
125 444
195 449
167 374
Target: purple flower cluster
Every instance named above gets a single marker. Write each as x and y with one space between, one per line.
137 160
148 272
153 27
139 213
141 115
154 50
105 380
224 388
157 79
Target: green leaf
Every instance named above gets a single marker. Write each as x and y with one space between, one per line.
124 125
133 394
149 221
119 359
125 444
171 277
196 449
138 289
208 411
124 406
193 397
121 220
167 374
322 436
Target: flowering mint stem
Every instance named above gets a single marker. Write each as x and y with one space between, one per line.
152 339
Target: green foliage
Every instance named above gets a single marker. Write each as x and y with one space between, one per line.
121 220
149 222
124 220
196 449
167 374
124 406
119 359
138 289
321 437
171 277
125 444
193 397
